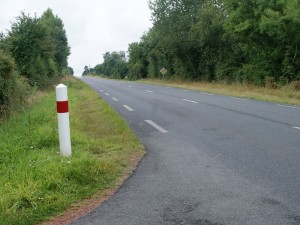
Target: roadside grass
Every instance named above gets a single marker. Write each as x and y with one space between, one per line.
287 94
36 183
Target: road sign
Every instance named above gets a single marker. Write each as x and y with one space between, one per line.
163 71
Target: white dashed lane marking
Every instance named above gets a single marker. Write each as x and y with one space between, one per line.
156 126
107 94
115 99
187 100
149 91
128 108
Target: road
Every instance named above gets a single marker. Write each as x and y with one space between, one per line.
211 159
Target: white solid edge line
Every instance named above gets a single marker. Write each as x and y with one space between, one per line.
157 127
107 94
128 108
115 99
298 128
286 106
187 100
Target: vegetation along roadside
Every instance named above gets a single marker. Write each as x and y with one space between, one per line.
249 49
288 94
36 182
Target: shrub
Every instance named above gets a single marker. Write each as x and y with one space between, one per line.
13 88
7 66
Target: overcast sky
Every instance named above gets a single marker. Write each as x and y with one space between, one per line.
93 26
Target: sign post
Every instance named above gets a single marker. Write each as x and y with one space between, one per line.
63 120
163 71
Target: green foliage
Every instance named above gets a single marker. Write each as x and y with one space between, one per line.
137 64
114 65
219 40
68 71
39 47
13 88
7 66
27 40
173 21
35 51
55 29
268 32
98 69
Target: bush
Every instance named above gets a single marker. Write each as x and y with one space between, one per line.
7 66
13 88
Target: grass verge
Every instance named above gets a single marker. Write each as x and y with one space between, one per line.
286 94
36 182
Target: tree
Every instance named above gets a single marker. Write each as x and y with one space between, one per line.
207 37
68 71
56 31
39 47
28 42
35 51
173 21
268 32
137 64
114 65
99 69
216 40
86 71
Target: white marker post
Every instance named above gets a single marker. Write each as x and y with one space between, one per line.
63 120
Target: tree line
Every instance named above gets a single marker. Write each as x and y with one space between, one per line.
33 54
253 41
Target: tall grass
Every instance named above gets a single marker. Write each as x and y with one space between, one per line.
36 182
288 94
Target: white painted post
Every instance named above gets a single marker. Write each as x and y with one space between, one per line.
63 120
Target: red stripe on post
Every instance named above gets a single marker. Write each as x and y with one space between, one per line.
62 107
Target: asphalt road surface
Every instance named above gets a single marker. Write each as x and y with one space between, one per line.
211 159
